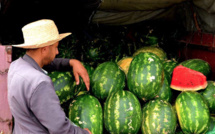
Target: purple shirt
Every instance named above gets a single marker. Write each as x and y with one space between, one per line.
33 102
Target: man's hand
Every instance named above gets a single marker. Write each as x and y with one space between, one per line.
79 70
88 130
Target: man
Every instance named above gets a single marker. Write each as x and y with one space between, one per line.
32 99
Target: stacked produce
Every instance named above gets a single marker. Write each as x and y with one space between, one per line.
131 71
146 93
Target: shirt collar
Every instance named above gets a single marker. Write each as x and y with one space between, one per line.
33 63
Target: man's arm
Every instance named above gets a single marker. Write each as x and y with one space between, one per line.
45 105
61 64
58 64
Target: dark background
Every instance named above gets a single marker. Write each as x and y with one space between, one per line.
69 16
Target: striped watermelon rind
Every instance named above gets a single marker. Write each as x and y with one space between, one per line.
152 49
211 129
122 113
198 65
193 112
107 78
145 76
86 112
165 93
209 95
64 85
169 65
159 117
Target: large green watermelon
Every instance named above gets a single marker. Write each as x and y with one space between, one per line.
122 113
64 85
193 113
107 78
145 75
159 117
86 112
198 65
209 95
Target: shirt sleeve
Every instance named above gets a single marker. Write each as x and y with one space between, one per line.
45 105
58 64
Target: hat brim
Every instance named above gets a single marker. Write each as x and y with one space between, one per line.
48 43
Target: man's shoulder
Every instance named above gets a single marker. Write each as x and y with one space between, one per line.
27 72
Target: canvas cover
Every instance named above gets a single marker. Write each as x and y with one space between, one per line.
131 17
123 12
205 17
137 5
207 5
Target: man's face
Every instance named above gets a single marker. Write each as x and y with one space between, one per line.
51 53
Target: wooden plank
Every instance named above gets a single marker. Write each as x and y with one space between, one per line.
5 114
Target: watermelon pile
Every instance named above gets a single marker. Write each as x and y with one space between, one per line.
139 85
146 93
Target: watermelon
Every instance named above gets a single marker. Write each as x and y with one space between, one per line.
159 117
122 113
165 92
124 64
151 40
198 65
86 112
144 77
107 78
186 79
193 112
64 85
169 65
209 95
211 129
90 70
153 49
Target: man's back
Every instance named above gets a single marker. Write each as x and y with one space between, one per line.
33 101
22 82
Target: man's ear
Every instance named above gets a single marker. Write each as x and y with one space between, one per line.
44 50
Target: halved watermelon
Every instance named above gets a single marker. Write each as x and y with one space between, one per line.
186 79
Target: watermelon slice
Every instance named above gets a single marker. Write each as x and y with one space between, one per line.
186 79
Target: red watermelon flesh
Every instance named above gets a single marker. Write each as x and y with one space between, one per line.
186 79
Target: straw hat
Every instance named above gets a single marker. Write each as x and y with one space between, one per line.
40 33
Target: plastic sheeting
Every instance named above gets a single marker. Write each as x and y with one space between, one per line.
123 12
137 5
125 18
204 19
207 5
